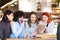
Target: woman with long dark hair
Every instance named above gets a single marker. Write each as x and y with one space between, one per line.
5 26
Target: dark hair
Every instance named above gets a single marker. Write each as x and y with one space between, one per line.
7 12
29 20
18 14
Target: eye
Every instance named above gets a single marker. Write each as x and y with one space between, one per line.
45 17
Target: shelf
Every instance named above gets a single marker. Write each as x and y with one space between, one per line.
56 8
55 13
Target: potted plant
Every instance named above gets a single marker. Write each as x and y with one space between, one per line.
58 1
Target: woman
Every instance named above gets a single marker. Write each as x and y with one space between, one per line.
47 21
5 27
18 30
31 24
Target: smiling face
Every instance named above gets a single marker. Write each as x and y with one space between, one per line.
33 18
10 17
44 18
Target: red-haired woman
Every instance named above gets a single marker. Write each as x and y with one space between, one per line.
47 21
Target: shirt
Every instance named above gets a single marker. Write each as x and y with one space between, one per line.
49 27
4 30
17 30
30 30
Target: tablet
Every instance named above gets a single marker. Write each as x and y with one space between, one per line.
40 29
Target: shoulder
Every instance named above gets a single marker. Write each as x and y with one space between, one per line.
4 23
15 22
27 25
15 25
51 22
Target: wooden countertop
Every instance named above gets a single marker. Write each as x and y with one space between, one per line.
39 37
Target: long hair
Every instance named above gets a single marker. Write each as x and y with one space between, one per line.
7 12
29 20
48 15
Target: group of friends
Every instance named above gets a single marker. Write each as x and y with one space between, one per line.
13 25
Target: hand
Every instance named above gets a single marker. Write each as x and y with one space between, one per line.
33 34
25 35
22 24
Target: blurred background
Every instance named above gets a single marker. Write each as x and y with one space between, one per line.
38 6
